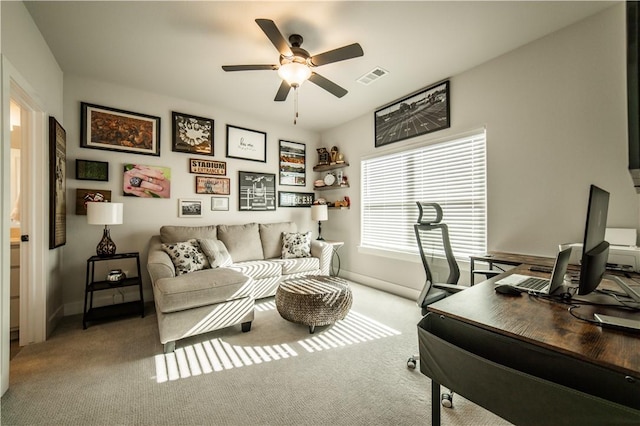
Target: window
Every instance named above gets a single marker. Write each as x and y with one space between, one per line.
451 173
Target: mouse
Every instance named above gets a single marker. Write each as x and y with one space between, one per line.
508 290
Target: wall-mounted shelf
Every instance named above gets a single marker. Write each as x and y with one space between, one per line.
326 188
327 167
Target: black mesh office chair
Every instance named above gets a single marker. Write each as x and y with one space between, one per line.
429 222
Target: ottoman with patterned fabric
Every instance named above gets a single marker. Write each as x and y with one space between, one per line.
314 300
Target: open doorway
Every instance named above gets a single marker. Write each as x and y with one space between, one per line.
16 119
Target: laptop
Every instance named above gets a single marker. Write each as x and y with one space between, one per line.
541 285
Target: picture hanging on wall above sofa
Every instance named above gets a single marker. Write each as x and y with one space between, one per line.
192 134
146 181
423 112
257 191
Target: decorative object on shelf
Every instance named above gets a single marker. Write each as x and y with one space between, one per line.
329 179
116 275
345 202
146 181
323 156
188 207
207 167
340 159
293 163
344 181
246 144
118 130
92 170
429 106
213 185
57 184
334 154
295 199
219 203
105 214
318 183
85 196
257 191
320 213
192 134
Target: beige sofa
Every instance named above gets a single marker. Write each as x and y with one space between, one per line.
216 297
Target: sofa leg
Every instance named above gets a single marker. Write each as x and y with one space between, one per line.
246 326
169 347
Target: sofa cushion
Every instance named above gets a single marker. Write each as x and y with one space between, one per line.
186 256
200 288
216 252
299 265
174 234
296 244
271 237
258 269
242 241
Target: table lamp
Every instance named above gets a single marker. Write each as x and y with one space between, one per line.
105 214
319 212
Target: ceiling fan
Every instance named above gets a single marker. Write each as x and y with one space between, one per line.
296 63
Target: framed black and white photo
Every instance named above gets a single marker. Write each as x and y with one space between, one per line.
119 130
188 207
257 191
423 112
295 199
92 170
292 163
246 144
219 203
192 134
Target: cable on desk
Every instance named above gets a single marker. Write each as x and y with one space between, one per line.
573 314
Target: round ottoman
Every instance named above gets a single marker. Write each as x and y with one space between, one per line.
314 300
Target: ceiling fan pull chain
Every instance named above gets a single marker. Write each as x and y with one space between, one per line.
295 105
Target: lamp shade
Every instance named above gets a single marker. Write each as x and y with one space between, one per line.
104 213
319 212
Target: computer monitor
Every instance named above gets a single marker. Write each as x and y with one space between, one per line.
595 250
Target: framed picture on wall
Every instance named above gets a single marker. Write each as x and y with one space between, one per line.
295 199
246 144
213 185
84 196
207 167
189 207
192 134
57 184
92 170
292 163
257 191
219 203
146 181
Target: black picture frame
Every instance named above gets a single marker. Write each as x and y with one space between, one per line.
213 185
295 199
246 144
423 112
191 134
256 191
92 170
57 184
292 163
115 129
207 167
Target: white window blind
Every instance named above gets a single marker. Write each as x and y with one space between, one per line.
451 173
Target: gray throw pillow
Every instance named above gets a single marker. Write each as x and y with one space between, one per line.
174 234
242 241
271 237
216 253
186 256
296 244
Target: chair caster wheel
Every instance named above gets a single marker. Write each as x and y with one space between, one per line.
446 399
411 363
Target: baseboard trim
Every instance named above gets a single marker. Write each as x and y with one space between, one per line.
398 290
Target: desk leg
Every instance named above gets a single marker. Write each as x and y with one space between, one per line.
435 403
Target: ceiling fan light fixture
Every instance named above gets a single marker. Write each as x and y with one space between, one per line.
294 73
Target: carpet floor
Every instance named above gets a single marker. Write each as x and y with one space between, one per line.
351 373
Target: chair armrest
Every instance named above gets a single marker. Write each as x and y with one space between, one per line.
489 273
322 251
453 288
159 264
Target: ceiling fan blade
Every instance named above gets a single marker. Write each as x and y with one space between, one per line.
327 85
249 67
283 92
340 54
274 34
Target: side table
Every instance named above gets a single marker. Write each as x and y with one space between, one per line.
335 245
92 285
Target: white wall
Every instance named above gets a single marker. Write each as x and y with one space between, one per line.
144 217
555 114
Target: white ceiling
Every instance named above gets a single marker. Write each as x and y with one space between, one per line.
178 48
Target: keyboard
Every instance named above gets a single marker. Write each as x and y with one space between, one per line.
535 284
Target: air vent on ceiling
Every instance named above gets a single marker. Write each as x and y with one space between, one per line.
372 76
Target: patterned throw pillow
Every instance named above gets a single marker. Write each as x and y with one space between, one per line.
186 256
296 244
216 252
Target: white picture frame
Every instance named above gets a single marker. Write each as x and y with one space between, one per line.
189 207
219 203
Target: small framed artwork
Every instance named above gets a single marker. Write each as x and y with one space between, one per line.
92 170
57 184
191 134
119 130
423 112
188 207
219 203
84 196
207 167
246 144
295 199
213 185
292 163
257 191
146 181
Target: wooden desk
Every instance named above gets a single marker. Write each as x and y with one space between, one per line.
495 258
528 342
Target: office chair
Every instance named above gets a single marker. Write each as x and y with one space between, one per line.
430 220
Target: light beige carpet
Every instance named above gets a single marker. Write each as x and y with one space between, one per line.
351 373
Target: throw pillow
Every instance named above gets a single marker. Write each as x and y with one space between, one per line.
216 252
296 244
186 256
